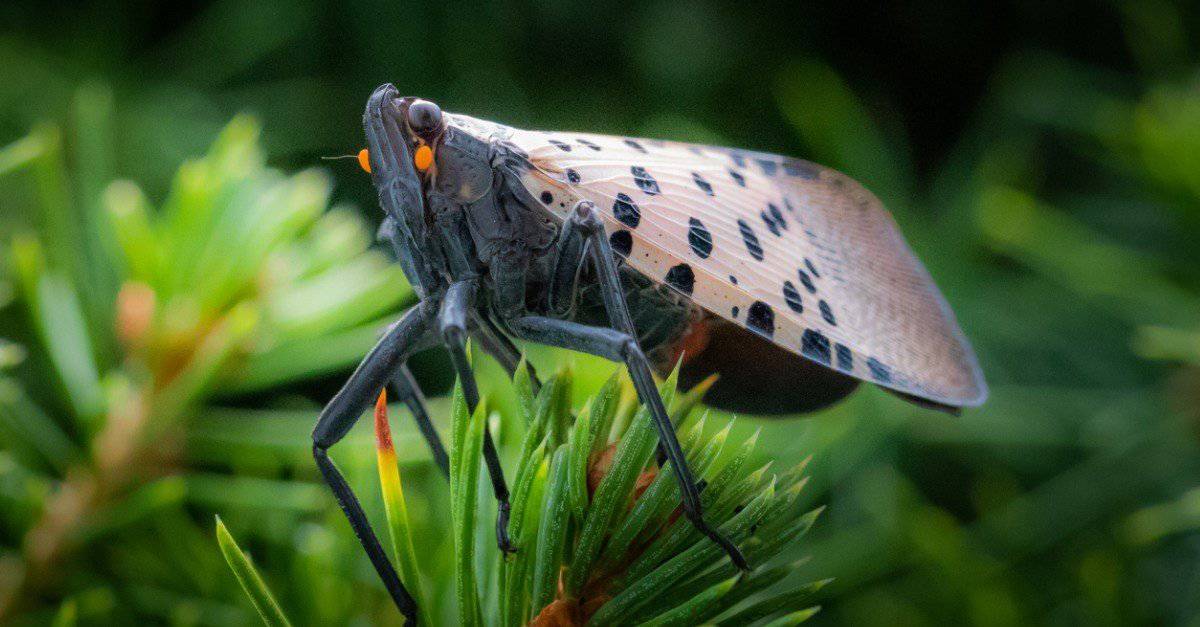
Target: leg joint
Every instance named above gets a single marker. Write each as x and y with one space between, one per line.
454 333
586 217
630 348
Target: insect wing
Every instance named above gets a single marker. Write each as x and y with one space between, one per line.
795 252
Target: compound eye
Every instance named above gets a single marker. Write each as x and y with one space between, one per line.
424 118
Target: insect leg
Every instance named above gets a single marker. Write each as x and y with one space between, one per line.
452 322
572 249
404 337
568 260
408 392
495 343
622 347
588 222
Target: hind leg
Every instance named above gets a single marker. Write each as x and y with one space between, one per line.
619 343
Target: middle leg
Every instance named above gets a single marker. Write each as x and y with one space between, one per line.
452 321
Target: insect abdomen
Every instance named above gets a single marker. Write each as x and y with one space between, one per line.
755 375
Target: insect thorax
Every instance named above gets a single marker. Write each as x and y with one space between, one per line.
481 217
474 219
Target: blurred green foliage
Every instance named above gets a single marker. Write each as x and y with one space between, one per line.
595 521
1041 158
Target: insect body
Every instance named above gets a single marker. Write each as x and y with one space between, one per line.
786 278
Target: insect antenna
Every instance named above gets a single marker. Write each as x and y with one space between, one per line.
363 161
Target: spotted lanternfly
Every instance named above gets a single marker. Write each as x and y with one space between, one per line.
786 278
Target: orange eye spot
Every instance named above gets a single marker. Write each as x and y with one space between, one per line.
424 158
364 160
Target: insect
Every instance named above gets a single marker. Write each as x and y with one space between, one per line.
788 279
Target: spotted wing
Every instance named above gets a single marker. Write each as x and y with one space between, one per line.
795 252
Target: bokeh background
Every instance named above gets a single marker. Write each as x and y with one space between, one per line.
168 338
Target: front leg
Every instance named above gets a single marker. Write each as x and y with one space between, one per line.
408 335
456 310
407 391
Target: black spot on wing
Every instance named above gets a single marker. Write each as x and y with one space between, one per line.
827 312
704 185
735 311
802 169
621 242
879 372
584 142
737 178
774 224
807 282
771 226
751 240
644 181
682 278
845 359
573 176
776 215
811 268
636 146
738 159
563 146
768 166
699 238
626 211
815 346
547 198
792 297
733 279
761 319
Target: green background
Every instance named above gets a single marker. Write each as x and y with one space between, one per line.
1042 158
